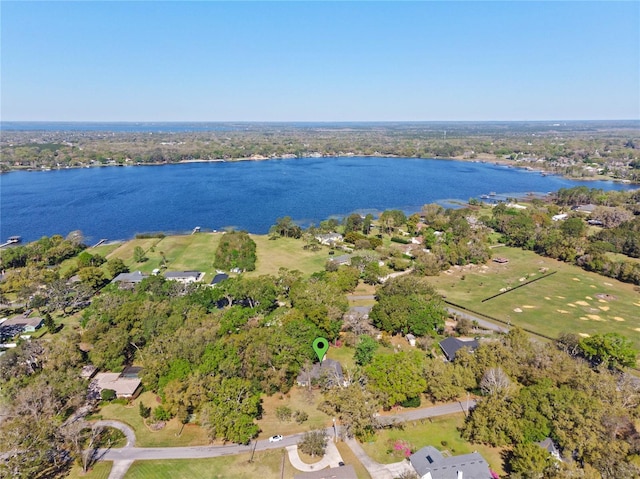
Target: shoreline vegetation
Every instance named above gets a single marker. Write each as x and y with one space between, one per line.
574 150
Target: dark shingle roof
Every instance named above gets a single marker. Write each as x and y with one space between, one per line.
451 345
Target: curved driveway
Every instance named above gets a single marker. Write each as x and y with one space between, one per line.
123 457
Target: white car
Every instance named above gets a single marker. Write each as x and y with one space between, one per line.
275 438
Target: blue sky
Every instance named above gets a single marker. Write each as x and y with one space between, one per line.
319 61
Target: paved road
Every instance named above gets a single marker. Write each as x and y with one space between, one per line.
124 457
486 324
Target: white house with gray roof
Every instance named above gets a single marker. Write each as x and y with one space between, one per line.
429 463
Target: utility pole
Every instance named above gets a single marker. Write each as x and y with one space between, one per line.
255 444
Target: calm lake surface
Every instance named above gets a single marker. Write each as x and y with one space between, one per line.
118 202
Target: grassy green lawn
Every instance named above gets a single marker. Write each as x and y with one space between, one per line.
191 435
196 252
571 300
100 470
441 432
286 253
296 399
265 465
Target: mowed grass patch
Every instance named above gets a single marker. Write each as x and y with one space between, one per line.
100 470
265 465
190 253
296 399
344 355
571 300
441 432
125 253
348 457
286 253
172 435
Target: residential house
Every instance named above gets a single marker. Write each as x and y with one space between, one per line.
329 239
185 277
344 259
560 217
450 346
219 278
429 463
19 324
588 208
551 448
129 280
327 369
126 384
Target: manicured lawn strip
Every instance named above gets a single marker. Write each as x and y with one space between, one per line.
431 433
296 399
100 470
348 457
564 302
286 253
198 252
192 435
125 253
265 465
344 355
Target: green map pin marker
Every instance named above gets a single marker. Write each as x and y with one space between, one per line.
320 346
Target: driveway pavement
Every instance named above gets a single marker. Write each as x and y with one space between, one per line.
123 457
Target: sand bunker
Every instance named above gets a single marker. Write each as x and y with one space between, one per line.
618 318
583 318
528 306
575 279
547 298
562 311
584 335
604 308
572 305
582 303
522 279
608 284
592 285
589 298
560 297
594 317
637 304
517 310
605 297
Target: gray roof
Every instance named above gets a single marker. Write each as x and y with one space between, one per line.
430 460
182 274
134 277
21 321
328 366
451 345
218 278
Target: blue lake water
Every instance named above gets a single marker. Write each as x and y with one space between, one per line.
118 202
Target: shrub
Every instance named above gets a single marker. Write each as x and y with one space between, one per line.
411 402
300 416
144 411
107 394
283 413
161 414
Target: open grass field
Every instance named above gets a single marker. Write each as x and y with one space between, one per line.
287 253
192 435
265 465
431 433
571 300
196 252
100 470
296 399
